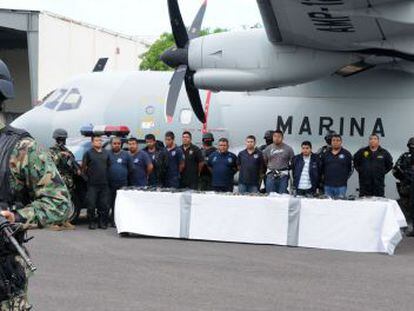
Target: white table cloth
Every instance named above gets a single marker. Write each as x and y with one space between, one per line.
369 225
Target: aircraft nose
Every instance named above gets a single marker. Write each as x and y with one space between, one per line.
39 126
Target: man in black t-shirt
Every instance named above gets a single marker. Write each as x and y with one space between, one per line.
193 163
251 166
95 165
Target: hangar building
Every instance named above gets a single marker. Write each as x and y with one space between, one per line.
43 50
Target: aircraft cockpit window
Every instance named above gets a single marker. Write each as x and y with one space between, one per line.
55 99
186 116
71 101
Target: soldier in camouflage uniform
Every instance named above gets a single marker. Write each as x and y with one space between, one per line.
328 139
403 171
66 165
205 174
268 138
64 159
29 181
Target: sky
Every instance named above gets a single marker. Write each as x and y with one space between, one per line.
145 17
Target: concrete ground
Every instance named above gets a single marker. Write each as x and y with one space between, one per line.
97 270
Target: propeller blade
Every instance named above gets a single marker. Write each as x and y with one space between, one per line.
174 91
177 24
195 28
194 97
178 57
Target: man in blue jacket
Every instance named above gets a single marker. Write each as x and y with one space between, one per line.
251 164
306 171
223 166
336 169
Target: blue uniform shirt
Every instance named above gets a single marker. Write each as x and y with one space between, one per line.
174 159
139 177
224 166
121 166
337 168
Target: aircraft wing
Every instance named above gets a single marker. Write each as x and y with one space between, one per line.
380 27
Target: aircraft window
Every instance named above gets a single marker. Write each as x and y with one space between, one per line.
55 98
71 101
186 116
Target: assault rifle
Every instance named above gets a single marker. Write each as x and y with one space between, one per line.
7 232
73 161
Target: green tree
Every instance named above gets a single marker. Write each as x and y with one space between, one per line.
151 58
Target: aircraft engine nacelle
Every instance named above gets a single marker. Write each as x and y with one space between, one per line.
247 61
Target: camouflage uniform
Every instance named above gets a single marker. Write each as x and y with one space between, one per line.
268 137
65 165
324 149
321 153
36 183
403 171
205 174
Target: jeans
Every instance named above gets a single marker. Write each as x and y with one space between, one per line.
248 188
277 184
335 192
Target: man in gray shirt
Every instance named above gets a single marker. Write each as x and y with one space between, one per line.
277 157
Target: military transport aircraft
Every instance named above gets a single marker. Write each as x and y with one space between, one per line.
307 94
303 41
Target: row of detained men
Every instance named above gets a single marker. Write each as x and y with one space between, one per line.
208 168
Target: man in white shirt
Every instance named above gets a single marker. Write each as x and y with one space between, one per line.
306 171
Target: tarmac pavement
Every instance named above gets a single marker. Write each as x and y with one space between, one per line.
97 270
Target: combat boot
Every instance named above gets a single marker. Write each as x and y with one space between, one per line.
92 225
410 230
102 224
410 233
68 226
55 228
